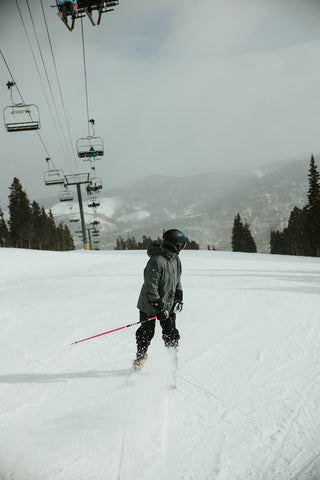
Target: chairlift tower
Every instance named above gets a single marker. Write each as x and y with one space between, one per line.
79 179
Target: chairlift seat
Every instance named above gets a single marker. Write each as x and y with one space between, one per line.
54 177
93 202
21 117
66 196
90 148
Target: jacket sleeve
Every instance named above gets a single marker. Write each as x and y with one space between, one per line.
179 286
152 275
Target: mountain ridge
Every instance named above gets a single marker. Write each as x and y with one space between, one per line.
202 205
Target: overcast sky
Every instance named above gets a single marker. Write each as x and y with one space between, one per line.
175 87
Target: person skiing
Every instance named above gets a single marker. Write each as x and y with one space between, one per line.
67 7
161 294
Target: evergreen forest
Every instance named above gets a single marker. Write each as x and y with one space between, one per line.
302 235
29 226
132 244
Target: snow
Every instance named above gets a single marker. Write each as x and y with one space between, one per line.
136 216
247 399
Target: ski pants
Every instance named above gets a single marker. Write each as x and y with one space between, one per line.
145 332
67 9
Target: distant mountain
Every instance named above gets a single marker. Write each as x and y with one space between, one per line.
203 206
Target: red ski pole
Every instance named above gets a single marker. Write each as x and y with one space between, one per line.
110 331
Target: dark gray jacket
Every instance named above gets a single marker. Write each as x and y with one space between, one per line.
161 279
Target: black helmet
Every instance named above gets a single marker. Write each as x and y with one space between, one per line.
174 240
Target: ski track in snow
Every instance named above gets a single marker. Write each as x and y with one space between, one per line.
246 405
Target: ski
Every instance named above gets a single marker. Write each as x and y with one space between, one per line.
63 20
89 16
72 22
100 13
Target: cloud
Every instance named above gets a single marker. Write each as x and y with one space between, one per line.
176 87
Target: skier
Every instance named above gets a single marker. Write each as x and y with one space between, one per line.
161 294
67 7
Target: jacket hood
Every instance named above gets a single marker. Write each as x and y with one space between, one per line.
159 249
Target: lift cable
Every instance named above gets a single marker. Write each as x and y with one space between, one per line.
85 75
42 84
59 84
46 72
22 99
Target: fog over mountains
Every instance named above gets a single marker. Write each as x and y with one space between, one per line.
203 206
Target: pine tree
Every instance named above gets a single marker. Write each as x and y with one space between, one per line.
46 230
21 218
53 238
191 244
296 234
40 221
120 244
4 232
237 229
68 238
276 242
313 209
242 240
249 245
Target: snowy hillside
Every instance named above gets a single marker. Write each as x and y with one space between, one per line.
203 206
246 405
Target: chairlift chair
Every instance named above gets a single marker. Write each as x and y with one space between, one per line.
53 177
93 202
66 196
95 222
74 218
90 148
94 185
21 117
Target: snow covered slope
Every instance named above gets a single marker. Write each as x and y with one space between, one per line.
247 402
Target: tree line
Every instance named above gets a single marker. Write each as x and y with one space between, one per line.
29 226
242 239
302 235
132 244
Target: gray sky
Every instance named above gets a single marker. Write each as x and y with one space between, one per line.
175 87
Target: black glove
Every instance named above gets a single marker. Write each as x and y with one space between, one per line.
177 307
162 313
178 301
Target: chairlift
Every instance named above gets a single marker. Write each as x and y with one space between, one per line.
95 234
82 8
74 218
53 177
66 196
93 202
90 148
20 117
94 185
95 222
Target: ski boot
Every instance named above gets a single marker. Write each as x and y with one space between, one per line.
140 360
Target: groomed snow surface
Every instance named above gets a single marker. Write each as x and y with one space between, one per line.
248 388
